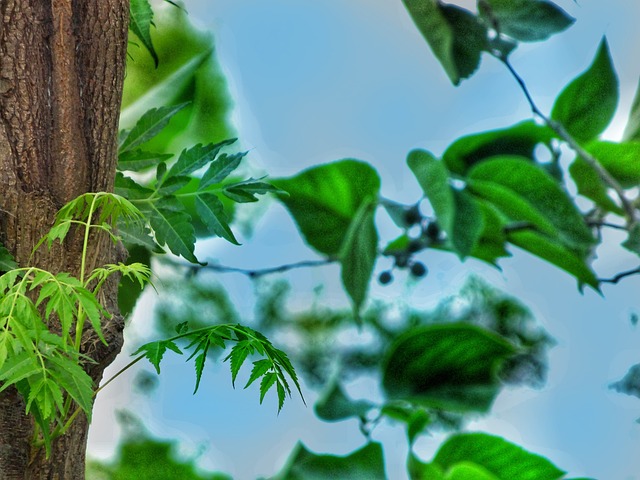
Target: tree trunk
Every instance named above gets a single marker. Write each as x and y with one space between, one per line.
61 74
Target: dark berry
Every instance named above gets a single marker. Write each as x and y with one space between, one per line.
418 269
385 278
414 246
412 216
433 231
402 261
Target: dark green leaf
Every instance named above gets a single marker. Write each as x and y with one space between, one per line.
7 262
630 383
520 139
268 380
148 126
246 191
139 160
366 463
586 106
182 328
323 200
451 367
18 367
172 184
172 226
154 351
220 169
468 224
526 20
199 366
74 380
211 212
454 34
358 254
196 157
130 189
140 21
260 367
502 459
238 355
334 405
632 243
591 186
632 130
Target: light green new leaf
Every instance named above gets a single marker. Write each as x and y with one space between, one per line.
586 106
323 200
455 35
74 380
525 192
366 463
172 226
149 125
500 458
451 367
358 255
154 351
211 212
18 367
140 21
526 20
520 139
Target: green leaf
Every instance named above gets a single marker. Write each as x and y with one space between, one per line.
268 380
497 456
238 355
7 262
590 185
619 159
139 160
148 126
366 463
220 169
246 191
526 20
211 212
632 130
450 367
418 470
323 200
260 368
469 471
455 35
358 254
154 351
74 380
199 366
17 367
335 405
140 21
172 226
457 212
520 139
586 106
524 192
196 157
632 243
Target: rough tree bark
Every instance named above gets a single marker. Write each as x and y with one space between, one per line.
61 74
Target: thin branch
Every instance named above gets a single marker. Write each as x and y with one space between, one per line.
604 175
620 276
259 272
596 223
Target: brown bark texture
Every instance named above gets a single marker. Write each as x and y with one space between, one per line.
61 75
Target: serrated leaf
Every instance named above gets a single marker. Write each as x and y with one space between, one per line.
139 160
268 380
451 367
220 169
586 106
74 380
92 309
199 366
246 191
358 254
211 212
260 367
196 157
172 226
526 20
455 35
182 328
140 21
324 199
170 185
154 351
497 456
7 262
17 367
238 355
152 122
130 189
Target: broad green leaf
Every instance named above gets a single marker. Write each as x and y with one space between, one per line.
586 106
154 351
450 367
526 20
140 21
323 200
469 471
187 72
211 212
172 226
520 139
504 460
358 254
591 186
455 35
334 405
557 254
74 380
632 243
366 463
525 192
148 127
418 470
468 224
7 262
619 159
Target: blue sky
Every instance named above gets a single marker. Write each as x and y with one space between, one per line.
319 81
